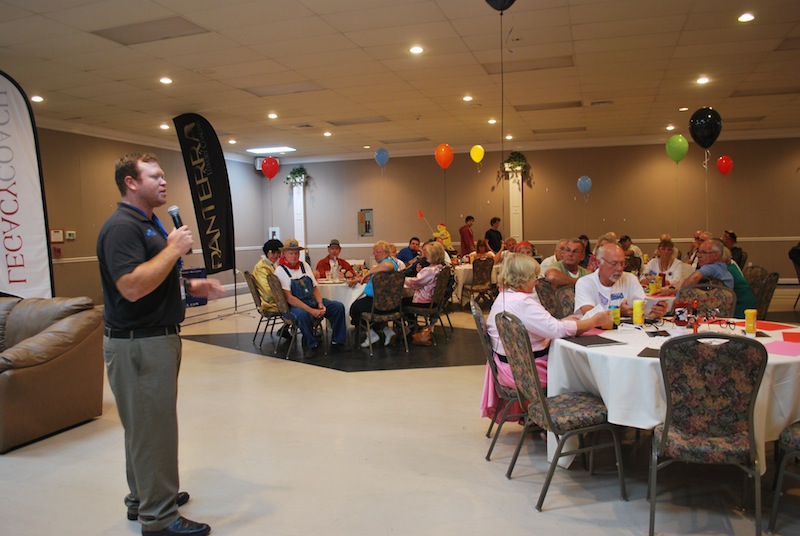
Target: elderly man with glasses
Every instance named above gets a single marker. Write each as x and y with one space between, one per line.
710 264
568 270
610 285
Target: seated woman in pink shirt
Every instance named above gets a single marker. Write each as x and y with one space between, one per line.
517 280
424 283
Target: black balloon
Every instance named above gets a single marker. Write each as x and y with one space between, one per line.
705 126
501 5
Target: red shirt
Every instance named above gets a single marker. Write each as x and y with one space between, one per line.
324 266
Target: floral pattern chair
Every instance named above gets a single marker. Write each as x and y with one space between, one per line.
565 297
270 317
710 298
481 286
506 394
565 415
711 382
387 303
789 442
437 308
547 296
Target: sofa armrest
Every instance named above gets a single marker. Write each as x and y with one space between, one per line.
52 342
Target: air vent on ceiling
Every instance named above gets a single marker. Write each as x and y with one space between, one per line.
153 30
358 121
302 126
404 140
563 130
548 106
538 64
601 102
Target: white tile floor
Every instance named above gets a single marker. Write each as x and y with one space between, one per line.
273 447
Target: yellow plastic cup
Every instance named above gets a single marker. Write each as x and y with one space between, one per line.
750 316
638 312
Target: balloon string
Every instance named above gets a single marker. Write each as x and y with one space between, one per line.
705 165
676 200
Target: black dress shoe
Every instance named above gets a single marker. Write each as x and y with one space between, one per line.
180 499
180 527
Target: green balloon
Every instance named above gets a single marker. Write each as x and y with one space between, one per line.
677 147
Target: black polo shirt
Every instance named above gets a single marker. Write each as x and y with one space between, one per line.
127 239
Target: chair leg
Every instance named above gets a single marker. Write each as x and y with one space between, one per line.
506 406
511 465
781 471
651 489
620 470
403 333
757 488
551 471
258 327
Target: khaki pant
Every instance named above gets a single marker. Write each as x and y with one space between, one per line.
143 374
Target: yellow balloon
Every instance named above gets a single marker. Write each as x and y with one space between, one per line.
476 153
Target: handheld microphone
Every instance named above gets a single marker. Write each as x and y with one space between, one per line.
174 211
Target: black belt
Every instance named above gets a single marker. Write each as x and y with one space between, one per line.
537 354
141 333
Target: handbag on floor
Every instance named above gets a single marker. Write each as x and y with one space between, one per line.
423 337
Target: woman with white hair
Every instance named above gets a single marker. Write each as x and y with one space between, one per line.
517 280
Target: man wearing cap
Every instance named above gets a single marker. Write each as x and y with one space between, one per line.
326 264
265 267
300 286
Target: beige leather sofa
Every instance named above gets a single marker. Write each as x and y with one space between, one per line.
51 366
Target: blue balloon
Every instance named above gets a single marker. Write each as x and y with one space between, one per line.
381 157
584 184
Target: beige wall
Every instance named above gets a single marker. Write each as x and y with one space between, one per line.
633 192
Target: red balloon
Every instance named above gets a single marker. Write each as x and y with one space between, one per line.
724 164
444 155
270 166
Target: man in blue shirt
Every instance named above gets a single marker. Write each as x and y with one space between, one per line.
411 252
710 265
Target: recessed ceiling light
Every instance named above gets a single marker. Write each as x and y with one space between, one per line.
165 80
270 150
746 17
232 142
467 98
272 115
509 137
683 109
492 121
367 147
670 127
37 98
164 126
416 49
703 80
327 134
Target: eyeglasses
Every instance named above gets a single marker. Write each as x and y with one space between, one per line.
614 264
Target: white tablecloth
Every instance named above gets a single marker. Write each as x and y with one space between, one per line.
463 274
341 292
632 389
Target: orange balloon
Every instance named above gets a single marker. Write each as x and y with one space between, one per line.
444 155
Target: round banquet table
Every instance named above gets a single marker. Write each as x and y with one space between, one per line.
632 388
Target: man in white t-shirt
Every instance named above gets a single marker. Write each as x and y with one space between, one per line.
611 285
